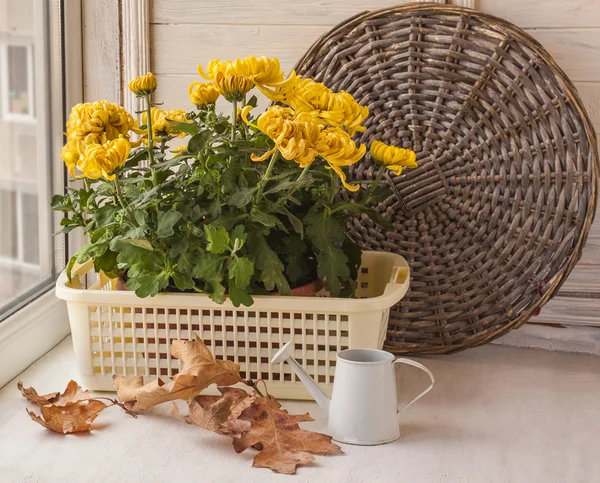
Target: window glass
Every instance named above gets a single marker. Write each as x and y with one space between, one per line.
26 244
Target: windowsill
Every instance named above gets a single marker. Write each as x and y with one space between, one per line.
495 414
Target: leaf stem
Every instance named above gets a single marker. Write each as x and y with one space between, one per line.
234 120
125 207
115 403
265 178
150 138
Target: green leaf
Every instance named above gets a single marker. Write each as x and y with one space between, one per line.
61 203
218 293
241 270
183 280
332 264
140 243
209 267
107 262
218 239
90 251
264 218
190 128
241 197
268 264
72 261
239 296
166 222
253 101
323 230
148 285
198 141
239 237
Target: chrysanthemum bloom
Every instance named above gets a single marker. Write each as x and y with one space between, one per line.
233 79
99 122
70 155
295 136
337 148
393 158
101 160
163 122
330 108
143 85
202 93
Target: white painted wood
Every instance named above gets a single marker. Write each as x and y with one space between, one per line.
570 311
545 13
575 50
265 12
496 415
136 48
584 278
584 340
30 333
101 50
465 3
177 49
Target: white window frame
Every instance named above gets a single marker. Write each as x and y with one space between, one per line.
7 115
40 325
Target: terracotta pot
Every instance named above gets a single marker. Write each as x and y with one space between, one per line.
308 290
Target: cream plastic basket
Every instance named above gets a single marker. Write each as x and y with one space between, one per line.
116 332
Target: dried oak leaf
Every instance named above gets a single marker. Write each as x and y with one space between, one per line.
73 394
198 361
200 370
73 418
219 413
31 395
284 444
137 397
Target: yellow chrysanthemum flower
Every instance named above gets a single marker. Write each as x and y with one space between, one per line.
337 148
97 123
295 136
179 151
202 94
393 158
143 85
233 79
70 155
330 108
163 122
101 160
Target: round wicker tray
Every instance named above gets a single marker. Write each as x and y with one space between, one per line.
497 213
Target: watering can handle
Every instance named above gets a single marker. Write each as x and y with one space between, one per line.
423 368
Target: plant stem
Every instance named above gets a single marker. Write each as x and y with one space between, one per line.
150 138
122 202
289 194
265 178
234 120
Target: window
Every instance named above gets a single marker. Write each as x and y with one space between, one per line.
28 163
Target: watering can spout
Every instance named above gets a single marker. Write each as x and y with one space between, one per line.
285 354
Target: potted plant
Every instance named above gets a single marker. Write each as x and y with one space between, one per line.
244 204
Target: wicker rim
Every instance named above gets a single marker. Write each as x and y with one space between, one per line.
326 44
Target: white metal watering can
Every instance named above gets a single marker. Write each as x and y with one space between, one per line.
363 408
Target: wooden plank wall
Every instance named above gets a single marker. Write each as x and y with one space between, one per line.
185 33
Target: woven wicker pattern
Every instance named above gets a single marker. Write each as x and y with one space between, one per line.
506 188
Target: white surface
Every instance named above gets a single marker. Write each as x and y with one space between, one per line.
497 414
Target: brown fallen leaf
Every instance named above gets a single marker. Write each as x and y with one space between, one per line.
73 418
285 446
73 394
200 370
219 413
137 397
198 361
31 395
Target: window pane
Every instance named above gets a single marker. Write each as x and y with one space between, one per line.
19 96
26 245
